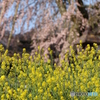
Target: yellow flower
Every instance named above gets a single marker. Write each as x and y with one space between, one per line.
93 70
3 67
44 84
48 61
24 50
70 47
77 46
55 88
97 90
2 77
99 57
80 41
48 90
58 86
69 69
76 83
88 84
82 87
24 94
18 89
30 95
6 52
36 97
95 45
62 98
39 56
21 86
2 96
75 98
84 80
40 90
44 98
15 54
7 95
8 87
50 52
10 91
61 93
93 79
38 47
40 75
38 84
49 49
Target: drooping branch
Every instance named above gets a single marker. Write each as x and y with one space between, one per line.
13 25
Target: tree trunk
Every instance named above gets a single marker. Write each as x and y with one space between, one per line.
62 6
82 9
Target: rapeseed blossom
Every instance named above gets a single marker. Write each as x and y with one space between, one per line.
24 79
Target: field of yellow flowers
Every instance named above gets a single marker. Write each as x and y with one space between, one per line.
22 78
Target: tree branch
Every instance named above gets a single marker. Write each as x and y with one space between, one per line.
13 24
82 9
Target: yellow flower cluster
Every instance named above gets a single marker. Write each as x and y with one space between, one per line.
27 79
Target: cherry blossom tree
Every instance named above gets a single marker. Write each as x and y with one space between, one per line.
57 24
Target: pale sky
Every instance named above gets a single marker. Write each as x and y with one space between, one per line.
11 10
